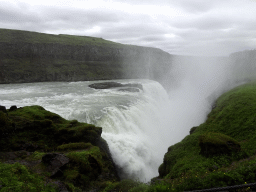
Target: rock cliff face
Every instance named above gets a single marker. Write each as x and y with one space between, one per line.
35 57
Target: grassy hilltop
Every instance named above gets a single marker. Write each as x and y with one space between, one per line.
15 36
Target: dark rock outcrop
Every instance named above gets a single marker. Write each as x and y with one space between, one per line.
54 162
109 85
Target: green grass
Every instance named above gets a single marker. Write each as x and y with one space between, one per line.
14 36
125 186
37 155
16 177
82 156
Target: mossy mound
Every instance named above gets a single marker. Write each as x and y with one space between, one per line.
215 153
33 128
30 133
216 144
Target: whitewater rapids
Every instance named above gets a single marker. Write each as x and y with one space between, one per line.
138 127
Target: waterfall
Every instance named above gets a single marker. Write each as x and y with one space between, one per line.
138 126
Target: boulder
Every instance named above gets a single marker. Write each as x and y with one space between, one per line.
109 85
105 85
54 162
192 130
212 144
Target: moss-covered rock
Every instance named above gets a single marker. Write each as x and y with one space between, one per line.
38 129
29 134
217 143
192 130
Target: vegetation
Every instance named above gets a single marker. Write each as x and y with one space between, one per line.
16 177
14 36
28 134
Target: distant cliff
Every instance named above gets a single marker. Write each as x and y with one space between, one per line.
37 57
244 64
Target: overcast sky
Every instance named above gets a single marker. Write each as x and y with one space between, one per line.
184 27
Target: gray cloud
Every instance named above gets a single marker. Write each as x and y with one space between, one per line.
179 27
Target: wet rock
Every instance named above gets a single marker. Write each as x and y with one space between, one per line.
55 162
109 85
105 85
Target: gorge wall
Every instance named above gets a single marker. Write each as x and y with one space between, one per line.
36 57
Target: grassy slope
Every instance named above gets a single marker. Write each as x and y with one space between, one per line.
234 116
185 169
14 36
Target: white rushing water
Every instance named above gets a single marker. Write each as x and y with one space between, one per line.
139 127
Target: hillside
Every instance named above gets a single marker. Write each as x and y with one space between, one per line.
37 57
219 152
